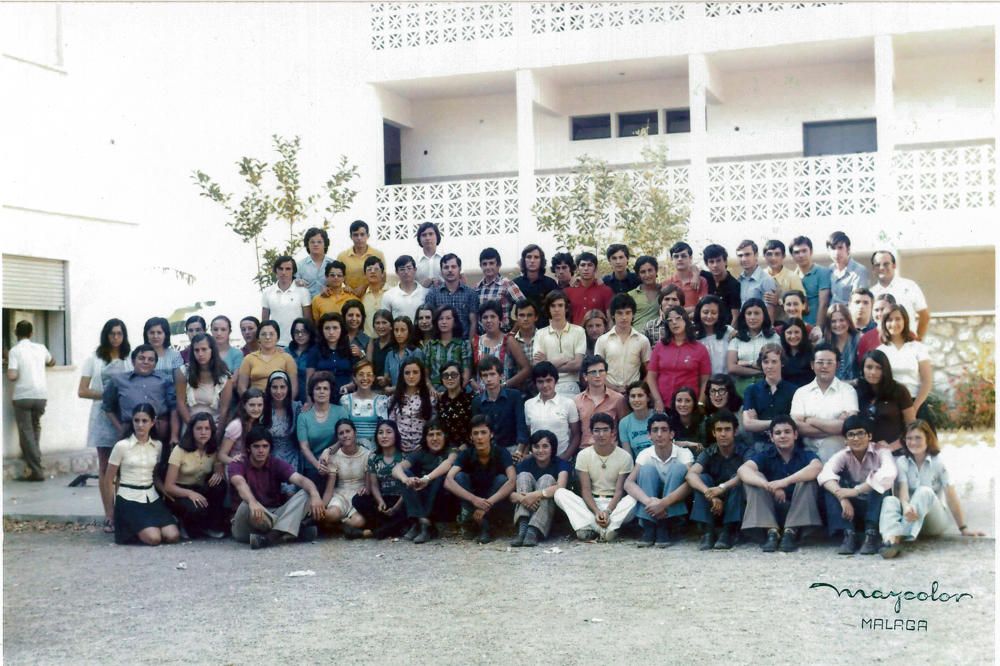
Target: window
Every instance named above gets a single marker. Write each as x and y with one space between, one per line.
591 127
839 137
35 290
678 121
629 124
392 154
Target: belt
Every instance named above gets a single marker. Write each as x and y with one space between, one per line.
125 485
604 496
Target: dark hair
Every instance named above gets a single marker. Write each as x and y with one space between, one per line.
193 319
557 295
883 331
797 293
457 330
801 240
836 238
621 302
532 248
267 418
774 244
593 359
747 243
225 319
614 248
826 346
689 330
358 224
697 415
722 415
668 417
863 291
244 418
410 333
397 439
344 422
733 401
285 259
490 363
374 261
24 329
891 256
828 323
310 331
480 420
319 377
258 434
646 259
586 256
424 226
783 419
103 351
742 330
563 258
316 231
425 394
418 335
855 421
887 297
273 324
432 424
353 303
216 366
402 260
681 246
601 417
639 384
539 435
523 303
144 348
721 325
383 313
544 369
887 387
714 251
490 306
187 441
336 263
805 347
489 253
153 322
256 322
672 288
147 409
448 257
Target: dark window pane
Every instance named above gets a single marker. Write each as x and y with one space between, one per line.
629 124
678 121
839 137
591 127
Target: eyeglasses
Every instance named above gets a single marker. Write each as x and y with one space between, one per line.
267 334
603 430
718 390
856 434
449 375
596 373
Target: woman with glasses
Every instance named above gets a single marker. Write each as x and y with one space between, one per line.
257 366
677 360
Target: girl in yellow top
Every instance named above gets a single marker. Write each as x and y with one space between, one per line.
195 492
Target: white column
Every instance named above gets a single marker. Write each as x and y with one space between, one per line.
885 183
526 156
698 84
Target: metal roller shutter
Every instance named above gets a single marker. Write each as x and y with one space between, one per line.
30 283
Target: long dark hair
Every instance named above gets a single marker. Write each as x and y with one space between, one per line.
424 390
734 403
720 325
310 329
666 337
153 322
220 373
887 387
187 441
805 347
147 409
410 335
456 329
743 331
267 418
103 350
397 442
343 342
696 412
241 413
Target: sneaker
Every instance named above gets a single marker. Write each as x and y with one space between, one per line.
586 534
532 537
789 541
849 544
771 543
871 543
522 531
610 536
726 539
663 534
425 534
215 534
412 533
648 534
308 533
890 550
706 541
258 541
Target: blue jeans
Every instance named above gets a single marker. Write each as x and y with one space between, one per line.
658 486
734 505
867 509
465 481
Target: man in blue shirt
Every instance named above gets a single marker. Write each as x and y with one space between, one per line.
754 280
781 489
815 280
127 390
846 274
504 407
718 493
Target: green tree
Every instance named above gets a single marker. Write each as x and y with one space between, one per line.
603 206
273 193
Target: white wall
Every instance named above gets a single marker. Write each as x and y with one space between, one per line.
944 97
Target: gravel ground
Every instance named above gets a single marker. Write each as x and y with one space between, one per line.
70 596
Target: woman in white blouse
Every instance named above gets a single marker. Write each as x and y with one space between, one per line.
908 357
138 510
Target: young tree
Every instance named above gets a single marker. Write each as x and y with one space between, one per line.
273 194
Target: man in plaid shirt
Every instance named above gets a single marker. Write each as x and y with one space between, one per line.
495 287
456 294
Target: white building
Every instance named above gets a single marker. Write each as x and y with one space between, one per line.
779 118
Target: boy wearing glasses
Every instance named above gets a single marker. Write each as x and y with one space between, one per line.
597 399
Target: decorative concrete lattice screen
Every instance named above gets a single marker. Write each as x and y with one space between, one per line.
945 178
673 179
399 25
791 189
461 208
549 17
721 9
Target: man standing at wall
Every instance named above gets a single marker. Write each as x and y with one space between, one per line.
591 294
774 257
26 365
354 258
686 276
495 287
815 280
720 282
754 281
847 274
907 292
621 279
455 293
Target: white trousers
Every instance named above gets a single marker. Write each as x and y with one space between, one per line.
932 516
581 518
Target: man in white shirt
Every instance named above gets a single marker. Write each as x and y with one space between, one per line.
821 406
551 411
404 299
26 363
283 301
428 266
907 292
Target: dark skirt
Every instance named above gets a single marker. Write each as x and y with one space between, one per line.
133 517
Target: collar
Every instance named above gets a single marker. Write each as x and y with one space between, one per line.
755 276
134 441
834 386
519 338
483 283
672 456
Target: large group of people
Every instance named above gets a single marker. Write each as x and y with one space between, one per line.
764 405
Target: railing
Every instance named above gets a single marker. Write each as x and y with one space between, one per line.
412 24
672 179
462 208
945 178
